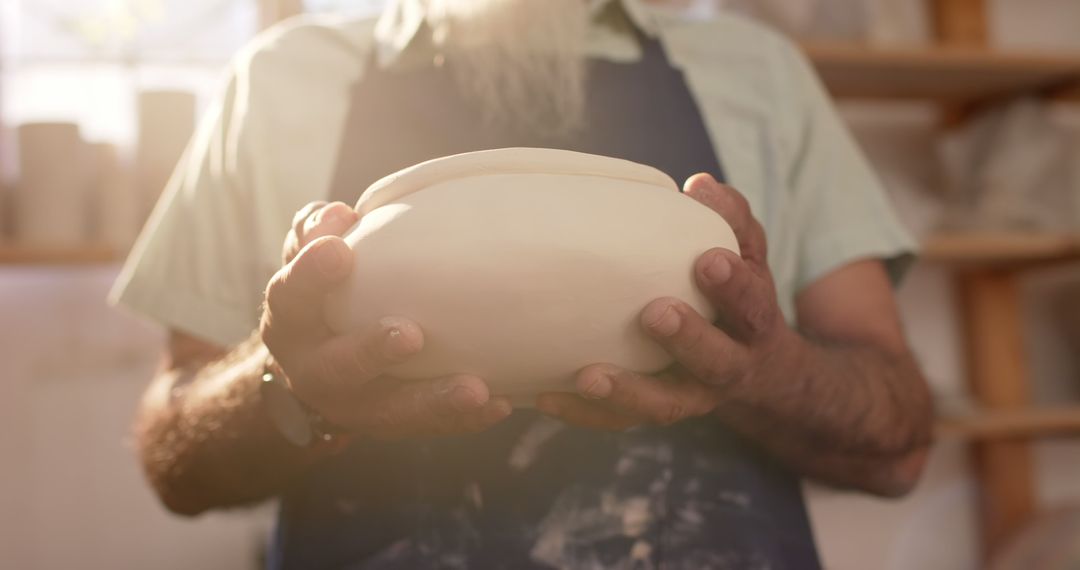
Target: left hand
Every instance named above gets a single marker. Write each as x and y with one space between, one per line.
710 360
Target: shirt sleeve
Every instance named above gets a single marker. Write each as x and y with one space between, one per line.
844 213
267 146
194 267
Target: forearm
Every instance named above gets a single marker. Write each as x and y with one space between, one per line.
204 438
852 416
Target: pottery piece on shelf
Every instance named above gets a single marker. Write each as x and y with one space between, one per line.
116 207
1050 542
1011 168
51 196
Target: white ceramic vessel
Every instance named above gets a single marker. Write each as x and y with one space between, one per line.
524 265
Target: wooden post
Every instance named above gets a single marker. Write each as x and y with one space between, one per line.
961 23
997 369
993 323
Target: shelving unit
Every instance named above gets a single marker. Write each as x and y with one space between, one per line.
992 314
951 75
1000 249
12 254
962 72
1012 424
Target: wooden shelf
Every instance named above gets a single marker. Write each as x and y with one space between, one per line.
955 75
12 254
1005 424
1001 249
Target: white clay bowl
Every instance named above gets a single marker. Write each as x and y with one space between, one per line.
523 265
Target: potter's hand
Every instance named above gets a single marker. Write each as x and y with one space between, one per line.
341 377
751 331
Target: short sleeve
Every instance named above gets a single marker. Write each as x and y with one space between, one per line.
842 210
214 239
194 267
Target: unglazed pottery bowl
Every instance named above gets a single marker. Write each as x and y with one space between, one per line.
524 265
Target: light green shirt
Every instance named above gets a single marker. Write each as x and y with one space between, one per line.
269 145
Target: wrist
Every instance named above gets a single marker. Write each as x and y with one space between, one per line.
300 424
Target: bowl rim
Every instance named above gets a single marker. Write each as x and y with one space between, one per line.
515 160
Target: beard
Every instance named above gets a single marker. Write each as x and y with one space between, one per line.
523 61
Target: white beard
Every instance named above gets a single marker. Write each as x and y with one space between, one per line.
522 60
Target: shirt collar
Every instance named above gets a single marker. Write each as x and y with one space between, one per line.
402 21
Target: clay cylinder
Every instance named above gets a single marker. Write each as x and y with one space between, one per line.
116 208
50 200
166 123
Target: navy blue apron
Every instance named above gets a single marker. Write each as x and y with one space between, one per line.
532 492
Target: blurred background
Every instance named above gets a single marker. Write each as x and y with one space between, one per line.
969 109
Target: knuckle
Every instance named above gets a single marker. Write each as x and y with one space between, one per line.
693 339
758 231
630 398
760 319
311 223
710 367
359 362
736 198
331 374
290 247
274 294
304 213
756 248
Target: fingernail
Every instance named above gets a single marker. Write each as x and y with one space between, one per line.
695 181
501 407
717 269
392 346
335 212
464 398
329 257
395 345
599 388
663 320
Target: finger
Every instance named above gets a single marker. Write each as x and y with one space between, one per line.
660 401
575 410
344 364
333 219
319 219
303 214
295 295
735 209
706 351
745 301
455 404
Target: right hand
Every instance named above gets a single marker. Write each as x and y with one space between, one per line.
341 377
